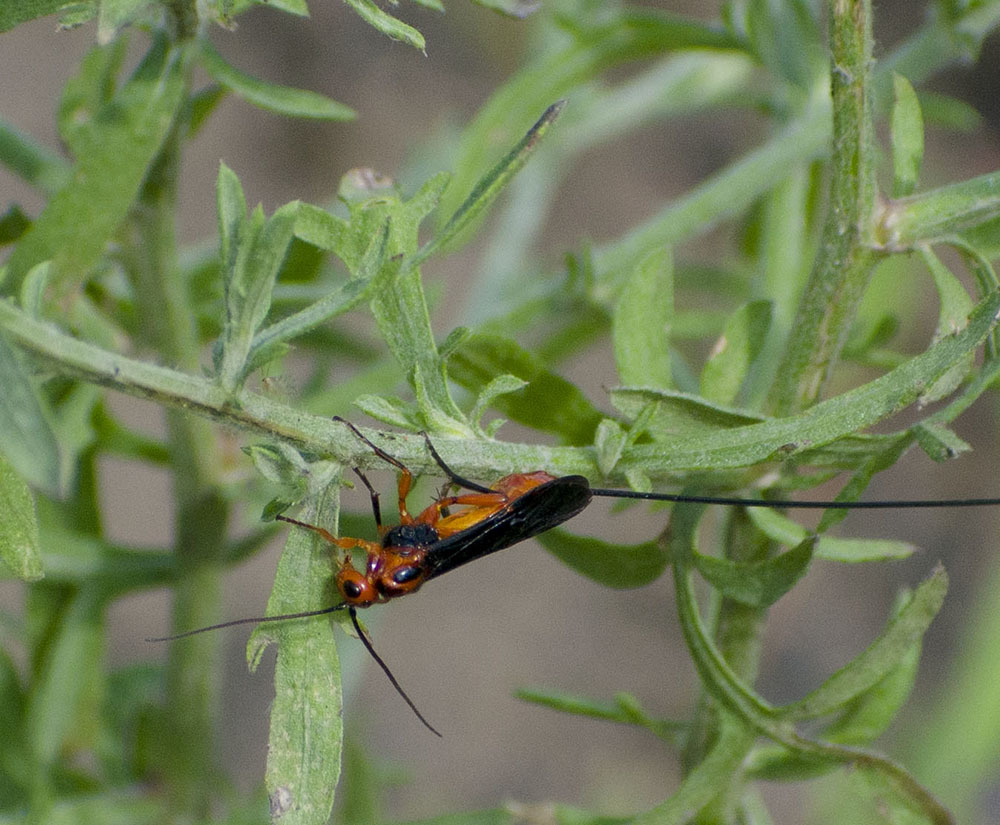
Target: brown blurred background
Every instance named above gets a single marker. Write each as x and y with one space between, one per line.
517 618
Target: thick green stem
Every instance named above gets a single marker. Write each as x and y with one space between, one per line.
847 256
200 511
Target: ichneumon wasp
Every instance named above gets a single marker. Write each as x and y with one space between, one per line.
517 507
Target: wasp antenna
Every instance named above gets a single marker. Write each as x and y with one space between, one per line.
894 504
385 669
455 477
395 462
284 617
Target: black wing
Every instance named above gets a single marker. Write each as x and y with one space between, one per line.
538 510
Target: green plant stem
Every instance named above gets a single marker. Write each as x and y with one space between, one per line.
847 253
201 514
737 629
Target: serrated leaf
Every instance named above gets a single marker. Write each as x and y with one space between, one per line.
734 352
758 584
621 566
640 323
281 100
306 733
19 545
114 142
907 131
548 403
886 653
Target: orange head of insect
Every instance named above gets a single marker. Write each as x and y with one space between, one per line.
354 587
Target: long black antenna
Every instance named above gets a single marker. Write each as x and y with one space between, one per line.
799 504
385 669
305 614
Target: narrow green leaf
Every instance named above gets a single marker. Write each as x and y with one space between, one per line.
907 130
30 160
720 769
114 143
953 312
231 214
303 758
386 23
518 9
893 645
672 414
281 100
548 403
869 714
486 190
625 709
640 323
734 352
940 213
391 411
758 584
28 443
881 457
828 548
939 442
71 661
621 566
501 385
249 283
19 545
326 231
785 37
949 112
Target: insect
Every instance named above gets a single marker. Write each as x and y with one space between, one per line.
517 507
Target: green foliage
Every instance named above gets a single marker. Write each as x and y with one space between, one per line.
733 372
